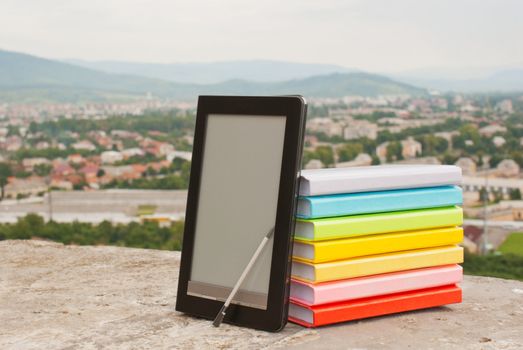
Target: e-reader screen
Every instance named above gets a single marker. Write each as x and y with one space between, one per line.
237 204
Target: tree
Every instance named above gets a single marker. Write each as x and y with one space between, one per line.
43 169
5 172
35 221
433 145
498 196
21 174
394 151
325 154
13 130
33 127
515 194
518 157
449 158
483 194
150 171
80 185
307 157
495 160
468 132
349 151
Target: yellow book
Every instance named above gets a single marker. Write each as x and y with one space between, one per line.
341 249
376 264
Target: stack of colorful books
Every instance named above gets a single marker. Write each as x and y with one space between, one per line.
372 241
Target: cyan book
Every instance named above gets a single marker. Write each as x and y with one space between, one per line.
312 207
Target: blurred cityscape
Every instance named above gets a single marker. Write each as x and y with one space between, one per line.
95 162
98 104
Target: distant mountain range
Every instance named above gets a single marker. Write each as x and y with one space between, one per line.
506 78
216 72
25 78
29 78
503 80
458 79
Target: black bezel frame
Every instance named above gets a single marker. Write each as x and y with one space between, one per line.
274 317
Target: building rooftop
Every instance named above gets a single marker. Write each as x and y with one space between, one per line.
81 297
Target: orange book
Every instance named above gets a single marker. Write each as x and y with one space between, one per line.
320 315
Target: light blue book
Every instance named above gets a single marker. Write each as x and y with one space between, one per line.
312 207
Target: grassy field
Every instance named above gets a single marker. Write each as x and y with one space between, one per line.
513 244
509 266
508 263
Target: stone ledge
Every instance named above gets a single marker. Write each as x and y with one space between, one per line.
70 297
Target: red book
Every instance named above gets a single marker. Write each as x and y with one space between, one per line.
320 315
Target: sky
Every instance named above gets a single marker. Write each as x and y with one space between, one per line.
373 35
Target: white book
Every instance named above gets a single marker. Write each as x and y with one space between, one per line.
376 178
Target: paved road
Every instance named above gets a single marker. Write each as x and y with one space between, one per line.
96 206
509 225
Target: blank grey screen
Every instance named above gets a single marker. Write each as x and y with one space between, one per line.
237 205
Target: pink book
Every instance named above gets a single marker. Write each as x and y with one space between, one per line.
368 286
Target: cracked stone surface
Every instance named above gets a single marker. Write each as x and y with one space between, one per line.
70 297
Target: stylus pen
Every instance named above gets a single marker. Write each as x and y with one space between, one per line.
219 318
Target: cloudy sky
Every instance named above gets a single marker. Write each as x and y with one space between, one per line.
374 35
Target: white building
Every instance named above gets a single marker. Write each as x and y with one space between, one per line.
124 134
110 157
117 171
490 130
133 152
31 186
13 143
505 106
30 163
179 154
327 126
508 168
467 165
381 151
498 141
410 148
360 128
166 148
84 145
189 139
42 145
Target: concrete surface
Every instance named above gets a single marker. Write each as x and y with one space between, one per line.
69 297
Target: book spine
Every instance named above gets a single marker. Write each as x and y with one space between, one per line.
387 284
378 202
352 226
342 313
344 184
385 243
384 264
